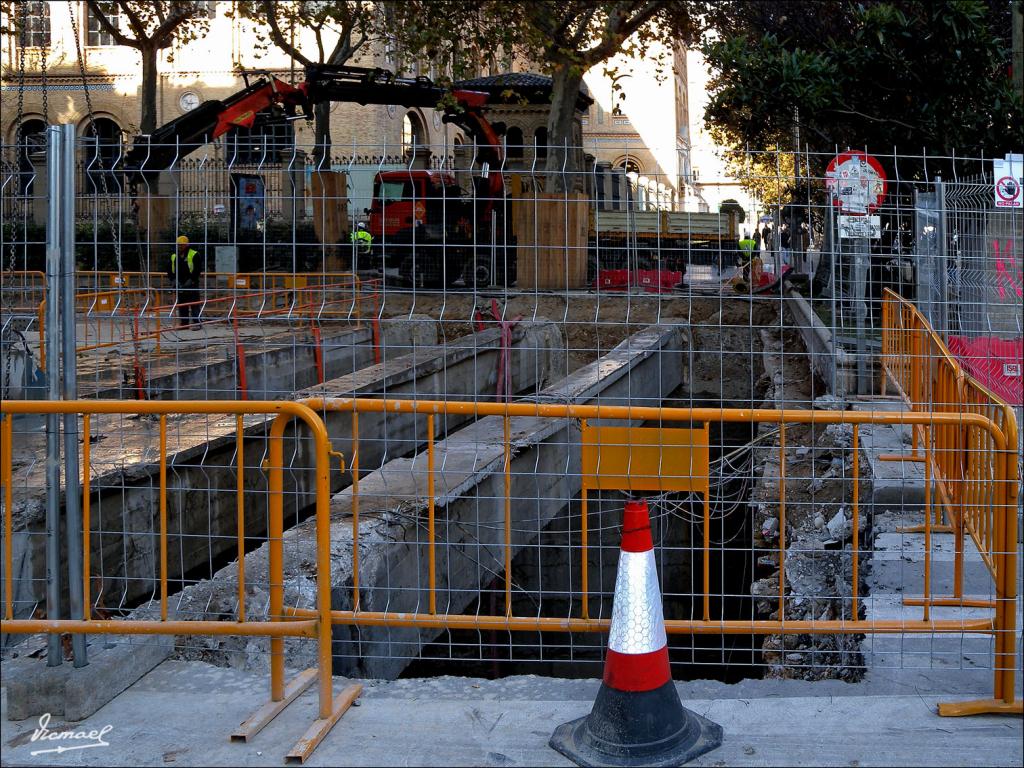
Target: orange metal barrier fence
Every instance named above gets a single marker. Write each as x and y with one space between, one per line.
130 315
928 378
628 458
639 459
316 627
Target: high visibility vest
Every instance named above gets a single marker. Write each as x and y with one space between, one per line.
189 261
361 235
747 245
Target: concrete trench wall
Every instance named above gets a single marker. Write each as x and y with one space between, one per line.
470 513
202 460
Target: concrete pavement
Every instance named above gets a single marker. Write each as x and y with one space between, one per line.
182 713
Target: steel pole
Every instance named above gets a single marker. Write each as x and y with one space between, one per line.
862 272
72 506
53 257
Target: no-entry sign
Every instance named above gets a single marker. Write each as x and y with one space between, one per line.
856 182
1008 176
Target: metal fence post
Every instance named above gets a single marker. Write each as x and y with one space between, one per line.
940 319
861 274
53 272
69 386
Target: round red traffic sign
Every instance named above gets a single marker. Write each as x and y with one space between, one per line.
1008 189
857 182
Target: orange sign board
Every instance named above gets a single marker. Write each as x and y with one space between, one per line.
645 459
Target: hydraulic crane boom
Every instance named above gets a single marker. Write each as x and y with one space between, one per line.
212 119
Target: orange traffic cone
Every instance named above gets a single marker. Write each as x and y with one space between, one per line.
637 717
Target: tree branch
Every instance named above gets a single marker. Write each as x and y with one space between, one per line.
278 38
581 31
616 33
874 119
119 37
134 21
179 15
343 49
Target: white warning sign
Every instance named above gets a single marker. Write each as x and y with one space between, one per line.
860 226
1008 177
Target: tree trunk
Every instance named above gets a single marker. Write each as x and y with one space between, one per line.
322 134
563 157
147 123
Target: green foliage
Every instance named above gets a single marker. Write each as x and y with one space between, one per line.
903 75
563 38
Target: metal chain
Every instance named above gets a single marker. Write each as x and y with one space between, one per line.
115 236
43 83
116 240
21 145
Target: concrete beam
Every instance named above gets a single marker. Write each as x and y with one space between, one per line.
469 501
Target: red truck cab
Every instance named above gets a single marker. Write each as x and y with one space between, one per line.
406 200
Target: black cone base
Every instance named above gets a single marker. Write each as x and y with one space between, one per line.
628 728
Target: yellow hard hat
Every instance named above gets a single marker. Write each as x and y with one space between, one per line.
182 240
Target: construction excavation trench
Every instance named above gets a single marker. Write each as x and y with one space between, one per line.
630 350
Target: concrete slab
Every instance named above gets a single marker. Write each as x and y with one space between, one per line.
74 693
181 714
895 484
469 499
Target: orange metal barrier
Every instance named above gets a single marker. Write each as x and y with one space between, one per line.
611 456
929 379
987 488
279 626
122 315
22 289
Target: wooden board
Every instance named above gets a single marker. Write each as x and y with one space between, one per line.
551 232
330 206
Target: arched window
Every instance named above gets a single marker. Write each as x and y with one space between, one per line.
31 141
540 137
630 167
514 144
102 139
413 135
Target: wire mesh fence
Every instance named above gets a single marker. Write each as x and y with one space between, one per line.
846 545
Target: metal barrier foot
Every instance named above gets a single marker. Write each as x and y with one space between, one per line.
943 528
981 707
321 727
272 709
950 602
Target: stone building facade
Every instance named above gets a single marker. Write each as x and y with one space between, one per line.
641 129
203 69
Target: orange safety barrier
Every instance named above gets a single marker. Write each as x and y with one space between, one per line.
609 454
929 379
988 488
22 289
278 626
121 315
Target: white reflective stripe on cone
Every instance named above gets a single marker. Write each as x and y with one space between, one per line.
638 624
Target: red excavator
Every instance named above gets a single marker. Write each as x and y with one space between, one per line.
421 221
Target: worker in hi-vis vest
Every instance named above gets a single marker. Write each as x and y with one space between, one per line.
748 248
186 275
362 242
